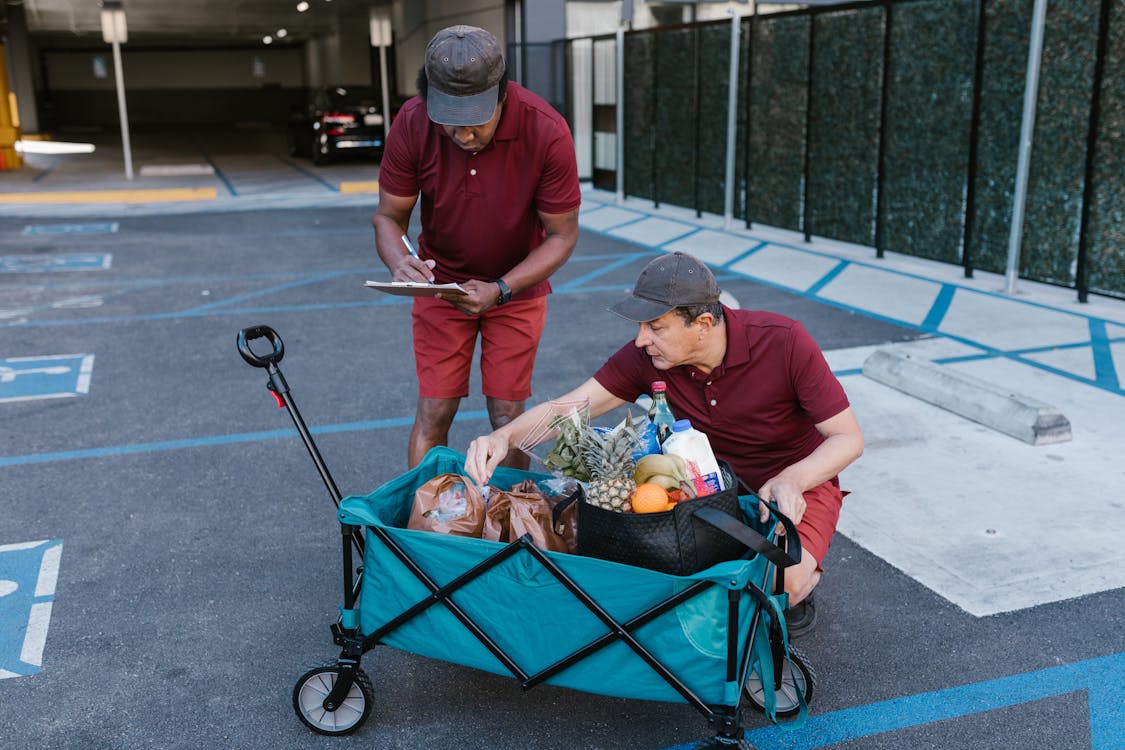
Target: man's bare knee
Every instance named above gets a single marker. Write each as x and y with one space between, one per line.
801 579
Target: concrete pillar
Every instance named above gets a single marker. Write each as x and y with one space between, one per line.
21 67
9 128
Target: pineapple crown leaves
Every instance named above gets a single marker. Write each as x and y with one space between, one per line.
587 453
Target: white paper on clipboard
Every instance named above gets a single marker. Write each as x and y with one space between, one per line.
415 288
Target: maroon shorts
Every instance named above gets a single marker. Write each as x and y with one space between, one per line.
445 338
822 512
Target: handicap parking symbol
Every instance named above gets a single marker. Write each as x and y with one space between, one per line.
55 376
28 574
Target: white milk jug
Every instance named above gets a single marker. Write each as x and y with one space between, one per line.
693 446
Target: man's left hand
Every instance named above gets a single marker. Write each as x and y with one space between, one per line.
481 296
788 497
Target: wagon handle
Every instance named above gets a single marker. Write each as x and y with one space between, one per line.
246 335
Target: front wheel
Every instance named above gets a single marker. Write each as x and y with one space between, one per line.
797 680
313 688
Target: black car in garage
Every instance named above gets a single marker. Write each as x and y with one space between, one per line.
336 121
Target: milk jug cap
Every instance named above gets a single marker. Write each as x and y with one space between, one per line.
681 425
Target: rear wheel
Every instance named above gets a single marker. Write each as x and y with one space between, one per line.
797 679
313 688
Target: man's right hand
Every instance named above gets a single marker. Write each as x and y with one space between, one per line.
411 268
484 455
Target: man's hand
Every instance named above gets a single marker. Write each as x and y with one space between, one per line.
788 498
413 268
481 296
484 455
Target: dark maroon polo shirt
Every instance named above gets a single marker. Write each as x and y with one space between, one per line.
758 407
479 211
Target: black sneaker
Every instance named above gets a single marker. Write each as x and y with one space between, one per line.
800 618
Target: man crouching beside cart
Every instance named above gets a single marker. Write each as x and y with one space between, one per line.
754 382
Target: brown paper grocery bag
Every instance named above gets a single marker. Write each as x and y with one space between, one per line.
448 504
524 510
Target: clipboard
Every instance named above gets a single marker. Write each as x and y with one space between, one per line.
414 288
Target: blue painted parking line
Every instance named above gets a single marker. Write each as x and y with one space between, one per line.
32 378
1102 678
106 227
47 263
28 574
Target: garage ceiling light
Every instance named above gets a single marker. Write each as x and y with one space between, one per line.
282 33
302 6
267 39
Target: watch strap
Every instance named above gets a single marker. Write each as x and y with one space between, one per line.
505 292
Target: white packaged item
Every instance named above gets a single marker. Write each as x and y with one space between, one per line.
693 446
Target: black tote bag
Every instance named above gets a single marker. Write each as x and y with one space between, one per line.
680 541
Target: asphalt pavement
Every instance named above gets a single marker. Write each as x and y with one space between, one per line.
170 560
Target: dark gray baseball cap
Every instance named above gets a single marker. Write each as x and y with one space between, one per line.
670 281
464 66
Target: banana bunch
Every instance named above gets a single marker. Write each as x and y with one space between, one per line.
665 469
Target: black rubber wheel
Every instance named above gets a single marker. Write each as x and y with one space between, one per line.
315 685
797 678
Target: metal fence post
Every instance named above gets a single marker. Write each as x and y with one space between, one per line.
1027 133
888 6
1080 277
974 135
732 117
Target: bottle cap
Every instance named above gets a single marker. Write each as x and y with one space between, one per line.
659 385
681 425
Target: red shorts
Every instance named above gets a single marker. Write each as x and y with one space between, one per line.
445 338
822 512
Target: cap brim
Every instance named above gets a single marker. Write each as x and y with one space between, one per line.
476 109
640 310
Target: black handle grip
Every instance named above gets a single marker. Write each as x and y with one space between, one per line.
246 335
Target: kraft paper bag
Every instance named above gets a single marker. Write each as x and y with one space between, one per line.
448 504
524 510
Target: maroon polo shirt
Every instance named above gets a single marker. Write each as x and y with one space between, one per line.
479 211
759 407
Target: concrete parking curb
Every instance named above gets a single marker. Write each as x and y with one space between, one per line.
1023 417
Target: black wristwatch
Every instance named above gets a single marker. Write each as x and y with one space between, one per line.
505 291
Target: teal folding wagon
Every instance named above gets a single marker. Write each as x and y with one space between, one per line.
715 639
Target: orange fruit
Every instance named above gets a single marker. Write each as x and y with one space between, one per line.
650 498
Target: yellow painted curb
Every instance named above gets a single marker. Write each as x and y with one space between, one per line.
114 196
371 186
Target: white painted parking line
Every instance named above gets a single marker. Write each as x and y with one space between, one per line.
54 376
29 572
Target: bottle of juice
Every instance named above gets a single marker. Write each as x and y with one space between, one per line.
693 446
660 414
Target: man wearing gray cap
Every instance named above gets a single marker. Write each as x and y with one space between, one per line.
754 382
495 167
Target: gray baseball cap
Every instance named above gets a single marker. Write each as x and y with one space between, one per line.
670 281
464 66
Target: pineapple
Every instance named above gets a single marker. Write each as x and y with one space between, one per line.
601 459
609 459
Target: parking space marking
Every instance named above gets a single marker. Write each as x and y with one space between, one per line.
29 572
1103 679
48 263
107 227
57 376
